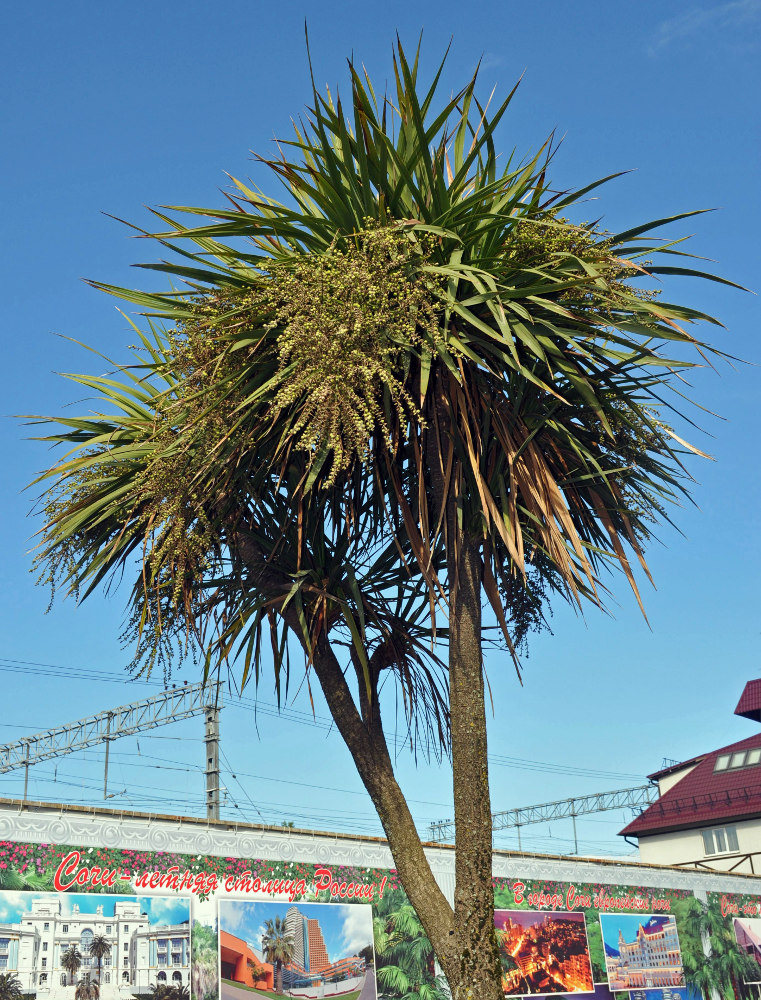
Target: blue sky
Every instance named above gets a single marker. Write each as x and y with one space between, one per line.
162 910
627 923
345 929
110 108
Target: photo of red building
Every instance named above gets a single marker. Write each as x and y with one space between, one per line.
239 963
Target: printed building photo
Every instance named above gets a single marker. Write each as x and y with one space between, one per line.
748 934
52 943
670 993
543 953
307 950
641 951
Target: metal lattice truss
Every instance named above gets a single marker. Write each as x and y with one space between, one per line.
623 798
169 706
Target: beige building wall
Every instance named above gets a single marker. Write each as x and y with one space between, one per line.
685 847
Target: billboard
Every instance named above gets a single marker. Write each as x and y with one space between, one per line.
170 925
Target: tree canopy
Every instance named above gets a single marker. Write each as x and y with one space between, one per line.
417 380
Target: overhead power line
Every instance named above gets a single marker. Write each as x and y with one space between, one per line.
580 805
287 714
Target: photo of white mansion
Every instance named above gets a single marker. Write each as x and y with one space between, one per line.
145 949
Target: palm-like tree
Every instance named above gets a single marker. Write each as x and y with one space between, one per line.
71 960
13 879
87 989
10 987
403 954
100 948
277 946
204 964
726 968
161 991
420 385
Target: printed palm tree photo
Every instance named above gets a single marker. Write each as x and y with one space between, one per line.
10 987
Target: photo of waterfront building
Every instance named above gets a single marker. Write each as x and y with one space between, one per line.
147 943
748 934
324 949
670 993
641 951
543 953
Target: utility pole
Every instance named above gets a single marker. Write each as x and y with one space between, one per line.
107 741
171 705
211 739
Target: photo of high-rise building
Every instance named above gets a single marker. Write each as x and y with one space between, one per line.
299 948
543 953
641 951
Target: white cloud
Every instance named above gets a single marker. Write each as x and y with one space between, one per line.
12 902
232 916
163 910
205 911
357 928
733 14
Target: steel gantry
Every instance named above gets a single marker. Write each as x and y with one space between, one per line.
581 805
171 705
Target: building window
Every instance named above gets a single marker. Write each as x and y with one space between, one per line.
176 977
44 946
126 962
720 840
107 977
161 977
161 959
741 758
125 977
65 928
43 978
126 945
126 928
108 928
46 926
3 961
63 979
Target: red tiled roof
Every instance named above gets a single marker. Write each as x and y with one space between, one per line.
704 797
749 704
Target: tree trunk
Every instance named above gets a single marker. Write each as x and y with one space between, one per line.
475 971
464 940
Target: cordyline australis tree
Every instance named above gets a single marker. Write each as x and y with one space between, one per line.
412 387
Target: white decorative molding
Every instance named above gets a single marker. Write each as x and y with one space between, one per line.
42 823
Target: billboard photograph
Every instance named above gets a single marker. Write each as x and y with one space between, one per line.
748 935
305 949
119 946
641 951
670 993
543 952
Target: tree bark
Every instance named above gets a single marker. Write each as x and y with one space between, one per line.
476 970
